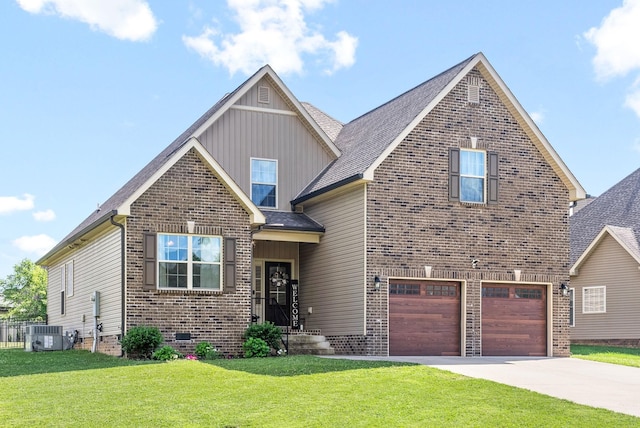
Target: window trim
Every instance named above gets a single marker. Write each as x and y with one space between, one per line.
70 278
275 161
483 177
604 299
572 307
190 263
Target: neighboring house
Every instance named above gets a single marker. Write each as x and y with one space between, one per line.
605 271
435 224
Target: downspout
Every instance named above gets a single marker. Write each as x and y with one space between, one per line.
122 274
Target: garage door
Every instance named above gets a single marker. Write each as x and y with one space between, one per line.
424 318
514 319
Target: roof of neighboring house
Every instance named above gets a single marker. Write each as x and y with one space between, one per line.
617 210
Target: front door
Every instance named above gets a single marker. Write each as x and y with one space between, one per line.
278 292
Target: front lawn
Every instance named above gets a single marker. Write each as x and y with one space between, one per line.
608 354
300 391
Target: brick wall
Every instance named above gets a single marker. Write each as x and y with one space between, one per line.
190 191
411 222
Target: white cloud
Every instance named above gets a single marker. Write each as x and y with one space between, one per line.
537 116
46 215
9 204
616 41
37 244
124 19
273 32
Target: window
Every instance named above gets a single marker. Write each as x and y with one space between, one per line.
594 300
70 279
406 289
496 292
264 182
572 304
473 176
189 262
63 286
528 293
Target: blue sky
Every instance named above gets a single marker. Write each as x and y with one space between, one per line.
91 90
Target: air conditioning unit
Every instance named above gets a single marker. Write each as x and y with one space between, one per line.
44 338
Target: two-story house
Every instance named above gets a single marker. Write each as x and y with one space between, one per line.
435 224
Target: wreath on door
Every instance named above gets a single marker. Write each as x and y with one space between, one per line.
279 278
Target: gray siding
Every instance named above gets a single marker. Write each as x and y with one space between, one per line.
239 135
96 268
332 273
609 265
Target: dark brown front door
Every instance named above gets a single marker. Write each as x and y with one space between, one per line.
278 292
514 320
424 318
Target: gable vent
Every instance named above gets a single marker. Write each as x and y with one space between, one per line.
473 90
264 94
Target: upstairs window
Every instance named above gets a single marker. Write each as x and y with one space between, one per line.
189 262
264 182
473 176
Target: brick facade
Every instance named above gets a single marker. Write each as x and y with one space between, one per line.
189 191
411 222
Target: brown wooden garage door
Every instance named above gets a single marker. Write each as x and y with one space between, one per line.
514 319
424 318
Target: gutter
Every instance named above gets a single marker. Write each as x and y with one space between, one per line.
326 189
122 274
75 236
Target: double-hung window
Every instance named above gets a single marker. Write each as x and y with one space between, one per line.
189 262
264 182
594 300
473 176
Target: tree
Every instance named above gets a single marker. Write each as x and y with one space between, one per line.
25 292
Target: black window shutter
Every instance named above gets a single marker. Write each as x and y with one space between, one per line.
492 185
454 174
229 265
62 302
149 244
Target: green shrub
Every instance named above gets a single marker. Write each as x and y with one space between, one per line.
255 347
166 353
206 351
267 331
140 342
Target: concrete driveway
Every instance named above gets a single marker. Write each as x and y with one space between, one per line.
594 384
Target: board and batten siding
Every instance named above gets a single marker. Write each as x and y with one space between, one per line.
332 273
96 267
239 135
277 250
609 265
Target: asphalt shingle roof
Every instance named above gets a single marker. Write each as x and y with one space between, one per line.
619 206
364 139
291 221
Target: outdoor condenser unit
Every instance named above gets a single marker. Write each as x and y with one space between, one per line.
43 338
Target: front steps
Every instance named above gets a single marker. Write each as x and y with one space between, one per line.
309 344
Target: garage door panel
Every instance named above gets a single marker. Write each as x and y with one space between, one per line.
514 320
425 319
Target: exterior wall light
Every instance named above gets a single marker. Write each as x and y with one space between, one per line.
376 282
564 289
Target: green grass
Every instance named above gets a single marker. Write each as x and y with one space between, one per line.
299 391
608 354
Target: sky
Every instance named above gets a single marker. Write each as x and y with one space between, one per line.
91 90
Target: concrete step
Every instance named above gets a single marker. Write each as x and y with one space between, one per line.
308 344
